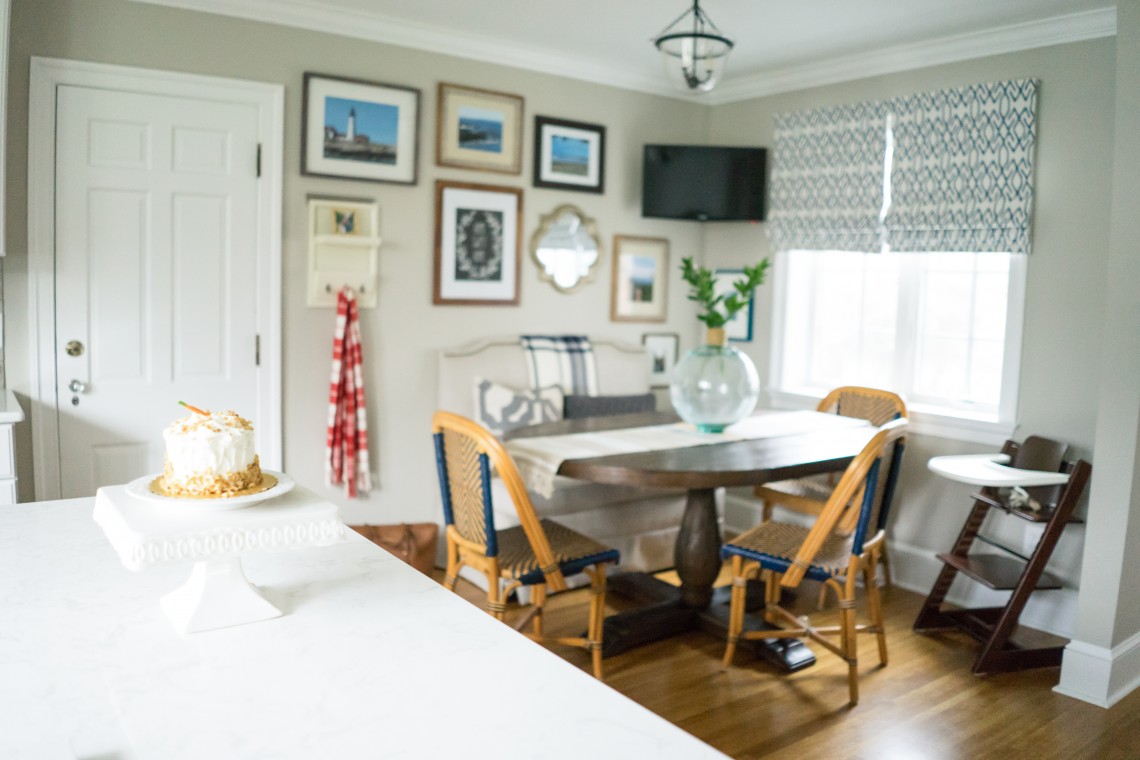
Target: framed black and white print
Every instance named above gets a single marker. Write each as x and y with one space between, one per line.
663 349
354 129
478 230
569 155
479 129
739 328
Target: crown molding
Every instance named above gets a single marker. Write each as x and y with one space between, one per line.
391 30
376 27
1058 30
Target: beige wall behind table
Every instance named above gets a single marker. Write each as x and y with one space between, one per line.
402 335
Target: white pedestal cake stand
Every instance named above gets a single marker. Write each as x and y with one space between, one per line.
148 532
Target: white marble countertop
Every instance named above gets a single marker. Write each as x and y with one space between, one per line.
10 410
371 659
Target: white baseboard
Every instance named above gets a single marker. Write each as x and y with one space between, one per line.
1098 675
915 569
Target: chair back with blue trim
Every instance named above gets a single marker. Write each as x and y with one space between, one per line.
852 506
876 406
466 454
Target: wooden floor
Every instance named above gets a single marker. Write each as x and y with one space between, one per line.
925 704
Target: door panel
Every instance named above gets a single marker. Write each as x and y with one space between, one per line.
156 201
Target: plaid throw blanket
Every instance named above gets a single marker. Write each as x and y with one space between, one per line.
563 360
347 441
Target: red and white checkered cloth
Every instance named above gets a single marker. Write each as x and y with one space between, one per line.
347 442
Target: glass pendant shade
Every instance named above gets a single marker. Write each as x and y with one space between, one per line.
694 50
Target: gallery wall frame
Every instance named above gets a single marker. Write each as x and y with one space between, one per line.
739 328
664 349
358 129
478 239
479 129
640 279
569 155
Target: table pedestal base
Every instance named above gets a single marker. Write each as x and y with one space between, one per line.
217 595
663 614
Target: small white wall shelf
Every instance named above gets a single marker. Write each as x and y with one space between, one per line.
344 249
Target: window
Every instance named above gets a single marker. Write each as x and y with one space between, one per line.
944 329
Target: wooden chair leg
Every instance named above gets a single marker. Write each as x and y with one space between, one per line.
736 609
875 609
495 605
885 559
847 638
453 565
538 599
597 617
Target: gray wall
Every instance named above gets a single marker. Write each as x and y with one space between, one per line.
1060 368
402 335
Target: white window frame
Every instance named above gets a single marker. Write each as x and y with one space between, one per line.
925 419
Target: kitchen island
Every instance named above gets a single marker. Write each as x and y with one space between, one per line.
370 659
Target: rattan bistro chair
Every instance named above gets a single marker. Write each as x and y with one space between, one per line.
843 544
537 553
809 495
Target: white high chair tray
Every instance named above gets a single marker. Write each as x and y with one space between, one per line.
990 470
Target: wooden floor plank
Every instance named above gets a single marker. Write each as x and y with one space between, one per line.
924 704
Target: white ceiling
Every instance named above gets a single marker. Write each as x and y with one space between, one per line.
780 44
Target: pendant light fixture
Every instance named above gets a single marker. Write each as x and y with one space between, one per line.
694 49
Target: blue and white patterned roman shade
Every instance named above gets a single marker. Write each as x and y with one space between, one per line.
950 170
962 176
827 178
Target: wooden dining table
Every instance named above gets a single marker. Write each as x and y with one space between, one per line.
661 609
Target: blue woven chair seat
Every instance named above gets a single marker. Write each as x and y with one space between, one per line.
572 552
774 545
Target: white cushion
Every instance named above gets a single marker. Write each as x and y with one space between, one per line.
500 408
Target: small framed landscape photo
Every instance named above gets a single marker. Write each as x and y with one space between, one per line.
569 155
353 129
479 129
663 349
739 328
478 229
640 274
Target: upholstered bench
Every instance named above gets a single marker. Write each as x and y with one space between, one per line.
641 523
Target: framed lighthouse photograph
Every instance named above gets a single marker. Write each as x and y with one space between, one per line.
354 129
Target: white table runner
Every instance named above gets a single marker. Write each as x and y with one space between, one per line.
538 459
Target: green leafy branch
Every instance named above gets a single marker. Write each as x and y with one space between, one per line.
719 309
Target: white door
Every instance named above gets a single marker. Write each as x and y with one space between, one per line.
156 233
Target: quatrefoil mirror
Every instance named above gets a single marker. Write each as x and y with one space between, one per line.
566 248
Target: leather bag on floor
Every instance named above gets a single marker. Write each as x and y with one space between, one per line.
413 543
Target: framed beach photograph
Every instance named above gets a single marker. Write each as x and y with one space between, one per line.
640 274
569 155
663 350
353 129
739 328
478 229
479 129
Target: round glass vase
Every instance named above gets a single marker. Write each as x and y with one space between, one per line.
714 385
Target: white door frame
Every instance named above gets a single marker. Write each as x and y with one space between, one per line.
47 74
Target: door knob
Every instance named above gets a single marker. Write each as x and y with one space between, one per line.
75 386
74 348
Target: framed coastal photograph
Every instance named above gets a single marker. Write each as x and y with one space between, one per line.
640 274
569 155
739 328
354 129
479 129
663 350
478 229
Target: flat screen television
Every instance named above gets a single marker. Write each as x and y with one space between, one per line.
709 183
